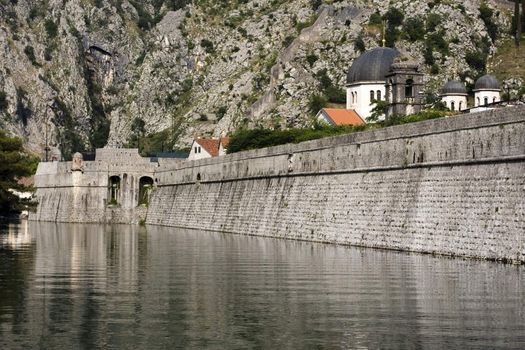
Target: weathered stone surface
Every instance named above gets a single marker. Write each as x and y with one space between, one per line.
453 186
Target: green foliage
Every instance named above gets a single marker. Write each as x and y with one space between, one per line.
207 45
315 4
3 101
394 17
14 163
30 53
221 112
243 140
51 28
476 60
379 110
414 29
288 40
68 136
359 44
311 59
375 19
486 14
423 115
433 21
316 103
23 109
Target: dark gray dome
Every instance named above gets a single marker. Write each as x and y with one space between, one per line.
454 87
373 65
487 82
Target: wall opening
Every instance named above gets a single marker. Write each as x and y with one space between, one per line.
378 95
452 106
114 190
145 187
486 101
409 89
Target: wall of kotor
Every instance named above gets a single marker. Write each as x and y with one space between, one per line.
453 186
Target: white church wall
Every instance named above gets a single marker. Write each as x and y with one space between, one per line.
455 102
358 97
483 97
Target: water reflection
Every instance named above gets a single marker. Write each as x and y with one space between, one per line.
90 286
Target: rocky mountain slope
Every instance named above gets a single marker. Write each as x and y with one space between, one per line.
90 73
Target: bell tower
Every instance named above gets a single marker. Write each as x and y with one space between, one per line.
404 84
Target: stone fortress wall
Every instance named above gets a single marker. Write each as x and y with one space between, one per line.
453 186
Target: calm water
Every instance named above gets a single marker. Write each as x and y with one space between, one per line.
90 286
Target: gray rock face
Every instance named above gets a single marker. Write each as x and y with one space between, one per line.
80 74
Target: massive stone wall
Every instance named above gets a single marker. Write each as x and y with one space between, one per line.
452 186
65 195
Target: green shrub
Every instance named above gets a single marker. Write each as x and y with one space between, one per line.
414 29
359 44
486 15
3 101
51 28
311 59
30 53
207 45
375 19
316 103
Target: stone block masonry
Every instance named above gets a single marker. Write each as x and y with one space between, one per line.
453 186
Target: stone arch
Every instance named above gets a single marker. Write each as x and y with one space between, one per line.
114 190
145 187
378 95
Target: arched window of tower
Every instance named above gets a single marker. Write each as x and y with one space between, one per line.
378 95
409 90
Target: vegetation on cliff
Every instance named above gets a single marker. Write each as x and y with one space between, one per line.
15 162
243 140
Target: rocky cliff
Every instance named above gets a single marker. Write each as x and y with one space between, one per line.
89 73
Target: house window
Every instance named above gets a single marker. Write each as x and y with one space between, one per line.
371 95
378 95
409 88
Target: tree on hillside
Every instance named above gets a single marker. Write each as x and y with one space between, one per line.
14 163
516 20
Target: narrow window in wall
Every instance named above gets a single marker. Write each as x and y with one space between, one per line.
199 149
378 95
486 101
409 88
452 106
477 101
371 95
196 149
494 100
460 105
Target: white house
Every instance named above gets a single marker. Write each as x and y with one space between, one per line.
208 148
365 82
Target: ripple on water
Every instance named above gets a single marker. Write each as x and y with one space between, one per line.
90 286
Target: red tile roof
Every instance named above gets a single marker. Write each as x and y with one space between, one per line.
210 145
343 116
